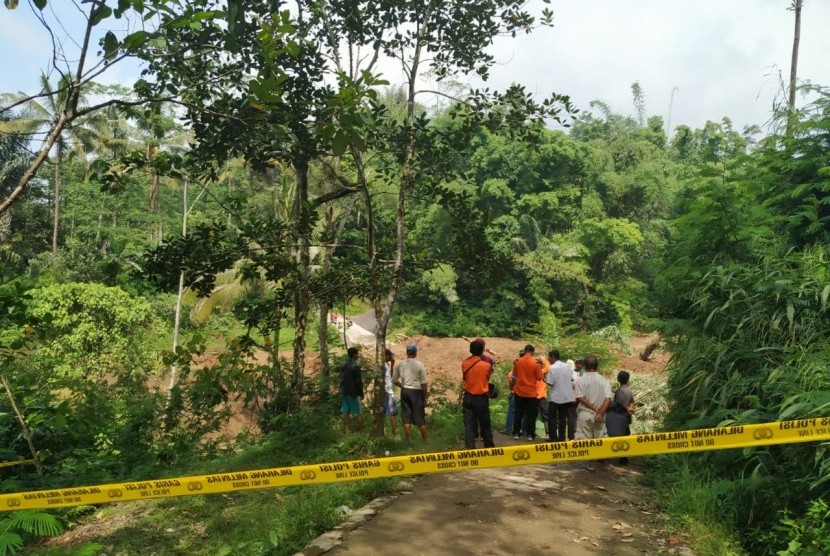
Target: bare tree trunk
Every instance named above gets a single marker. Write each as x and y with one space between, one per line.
323 337
5 226
406 184
152 206
26 433
325 307
794 64
301 295
174 371
57 195
98 228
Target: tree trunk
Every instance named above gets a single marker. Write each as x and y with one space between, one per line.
5 226
26 433
325 306
323 337
301 296
174 371
57 196
152 207
406 184
794 64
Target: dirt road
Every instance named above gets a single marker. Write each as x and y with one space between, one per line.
554 509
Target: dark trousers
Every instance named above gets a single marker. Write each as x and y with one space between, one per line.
561 415
527 408
542 410
476 410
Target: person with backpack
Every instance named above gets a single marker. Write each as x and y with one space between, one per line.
475 373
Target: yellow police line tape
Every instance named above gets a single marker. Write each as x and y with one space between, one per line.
741 436
16 462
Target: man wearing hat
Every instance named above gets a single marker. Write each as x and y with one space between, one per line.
411 377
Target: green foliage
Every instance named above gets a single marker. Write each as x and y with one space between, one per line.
702 505
744 294
15 525
807 535
90 330
287 518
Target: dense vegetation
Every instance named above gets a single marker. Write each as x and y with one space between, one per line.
170 243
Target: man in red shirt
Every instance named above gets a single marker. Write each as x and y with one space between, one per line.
527 373
475 372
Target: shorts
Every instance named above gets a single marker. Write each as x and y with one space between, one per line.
350 404
413 406
390 404
586 427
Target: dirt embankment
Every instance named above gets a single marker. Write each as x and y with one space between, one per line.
442 356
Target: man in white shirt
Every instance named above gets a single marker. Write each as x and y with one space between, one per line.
593 393
561 400
409 375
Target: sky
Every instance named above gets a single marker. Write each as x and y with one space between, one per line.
721 57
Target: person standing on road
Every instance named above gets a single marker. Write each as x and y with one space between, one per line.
561 400
390 402
593 393
542 396
351 389
411 377
619 416
525 377
511 402
475 373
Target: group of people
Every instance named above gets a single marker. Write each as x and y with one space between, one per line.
409 375
573 399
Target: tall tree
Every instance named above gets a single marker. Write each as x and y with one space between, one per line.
76 137
796 8
78 68
448 38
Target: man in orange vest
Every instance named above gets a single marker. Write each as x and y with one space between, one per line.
476 372
527 373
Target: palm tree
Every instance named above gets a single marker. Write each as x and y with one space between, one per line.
14 157
39 115
161 133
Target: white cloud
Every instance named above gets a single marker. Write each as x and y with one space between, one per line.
723 55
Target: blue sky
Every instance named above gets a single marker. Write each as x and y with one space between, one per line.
724 56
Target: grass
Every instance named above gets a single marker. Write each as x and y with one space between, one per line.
270 521
695 505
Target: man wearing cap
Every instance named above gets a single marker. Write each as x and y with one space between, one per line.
527 373
411 377
476 372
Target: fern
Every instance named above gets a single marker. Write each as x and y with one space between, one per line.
10 542
38 524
